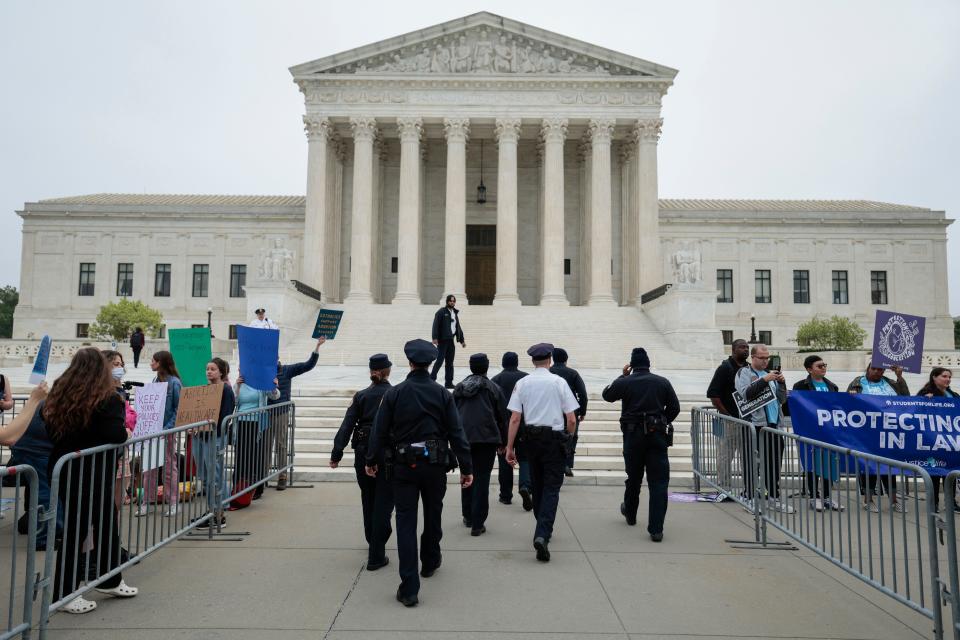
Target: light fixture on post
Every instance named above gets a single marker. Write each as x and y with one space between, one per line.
209 316
481 189
753 329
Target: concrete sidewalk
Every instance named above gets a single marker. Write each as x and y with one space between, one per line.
300 574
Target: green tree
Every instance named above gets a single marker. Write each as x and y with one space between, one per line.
117 320
9 297
831 334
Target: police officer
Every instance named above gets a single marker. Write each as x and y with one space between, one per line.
376 494
415 428
579 389
546 405
506 380
649 407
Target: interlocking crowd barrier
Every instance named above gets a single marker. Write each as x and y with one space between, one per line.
20 560
948 524
260 448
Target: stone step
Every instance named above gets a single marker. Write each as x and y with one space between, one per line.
310 434
307 459
584 448
679 479
682 424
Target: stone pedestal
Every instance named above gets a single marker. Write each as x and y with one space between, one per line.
292 311
687 319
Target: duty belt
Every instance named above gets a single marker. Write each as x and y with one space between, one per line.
435 452
535 432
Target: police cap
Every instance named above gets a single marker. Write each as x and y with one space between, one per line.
540 351
379 361
420 351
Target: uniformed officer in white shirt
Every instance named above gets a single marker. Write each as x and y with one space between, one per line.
547 406
262 321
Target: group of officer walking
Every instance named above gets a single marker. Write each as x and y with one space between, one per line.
407 437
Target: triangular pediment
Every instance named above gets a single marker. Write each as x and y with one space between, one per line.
482 44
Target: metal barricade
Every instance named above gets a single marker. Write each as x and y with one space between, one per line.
725 458
120 503
22 580
948 520
852 508
259 448
5 417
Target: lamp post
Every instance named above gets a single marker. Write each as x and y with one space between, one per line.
753 329
209 317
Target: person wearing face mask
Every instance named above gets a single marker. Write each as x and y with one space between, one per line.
124 474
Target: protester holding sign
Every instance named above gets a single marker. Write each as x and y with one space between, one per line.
753 381
217 371
248 453
817 381
162 363
938 386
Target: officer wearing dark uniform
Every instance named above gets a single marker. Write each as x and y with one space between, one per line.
579 389
376 494
545 403
506 380
415 429
649 407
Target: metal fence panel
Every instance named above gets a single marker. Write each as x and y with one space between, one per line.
258 448
948 518
22 578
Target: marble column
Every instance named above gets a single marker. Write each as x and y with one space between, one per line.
361 241
585 155
628 200
456 131
508 135
408 219
601 231
315 248
648 207
554 131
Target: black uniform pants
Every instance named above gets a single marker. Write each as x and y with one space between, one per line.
773 454
136 356
445 352
427 482
646 453
572 447
547 455
505 476
376 499
475 499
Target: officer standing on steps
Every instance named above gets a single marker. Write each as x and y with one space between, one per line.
648 410
416 428
546 405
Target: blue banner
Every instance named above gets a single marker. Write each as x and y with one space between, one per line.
918 430
39 373
259 353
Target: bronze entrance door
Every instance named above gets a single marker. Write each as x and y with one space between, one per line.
481 281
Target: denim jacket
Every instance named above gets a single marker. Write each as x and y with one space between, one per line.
173 401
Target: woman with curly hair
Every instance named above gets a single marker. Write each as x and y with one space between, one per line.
83 411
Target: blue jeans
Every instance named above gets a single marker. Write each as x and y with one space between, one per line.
203 447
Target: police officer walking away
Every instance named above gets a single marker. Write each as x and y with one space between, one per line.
415 429
506 380
649 407
546 405
579 389
447 330
376 494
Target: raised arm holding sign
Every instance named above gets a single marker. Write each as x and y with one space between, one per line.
39 373
328 322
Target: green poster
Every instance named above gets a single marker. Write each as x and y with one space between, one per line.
191 353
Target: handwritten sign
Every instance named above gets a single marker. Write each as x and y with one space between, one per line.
328 321
191 353
199 403
259 354
149 404
898 341
39 373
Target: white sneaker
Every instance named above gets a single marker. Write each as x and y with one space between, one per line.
171 511
871 507
899 508
142 510
782 507
816 504
833 505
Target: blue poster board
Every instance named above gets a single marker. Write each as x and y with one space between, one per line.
259 353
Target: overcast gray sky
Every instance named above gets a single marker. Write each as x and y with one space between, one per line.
832 99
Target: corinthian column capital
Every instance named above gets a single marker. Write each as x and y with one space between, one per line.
601 130
456 129
364 128
554 129
649 130
316 127
411 129
508 129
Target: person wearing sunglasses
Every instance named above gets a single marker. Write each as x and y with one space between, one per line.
817 381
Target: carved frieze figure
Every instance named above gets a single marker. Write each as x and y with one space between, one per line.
276 263
462 56
504 56
483 55
686 265
548 63
424 60
441 60
530 60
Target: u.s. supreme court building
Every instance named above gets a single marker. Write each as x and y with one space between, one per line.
513 167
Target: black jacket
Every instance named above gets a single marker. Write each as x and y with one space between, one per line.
483 410
807 385
724 383
575 382
441 325
643 392
287 371
507 380
416 410
360 414
137 340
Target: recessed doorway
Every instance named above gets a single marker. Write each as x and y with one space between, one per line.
481 281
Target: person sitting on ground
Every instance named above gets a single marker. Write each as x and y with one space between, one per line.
938 386
874 383
817 380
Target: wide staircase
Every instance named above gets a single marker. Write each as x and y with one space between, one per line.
597 338
599 451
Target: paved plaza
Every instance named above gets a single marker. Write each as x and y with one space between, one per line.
300 574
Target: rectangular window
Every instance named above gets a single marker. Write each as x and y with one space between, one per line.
763 293
725 285
801 286
238 280
841 293
201 280
393 264
878 287
88 273
161 281
232 330
727 336
83 329
766 337
566 266
125 279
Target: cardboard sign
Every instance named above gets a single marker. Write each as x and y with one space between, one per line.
898 341
259 354
39 373
191 353
328 321
150 402
199 403
746 407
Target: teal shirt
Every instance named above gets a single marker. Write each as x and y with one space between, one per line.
820 385
247 398
773 412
